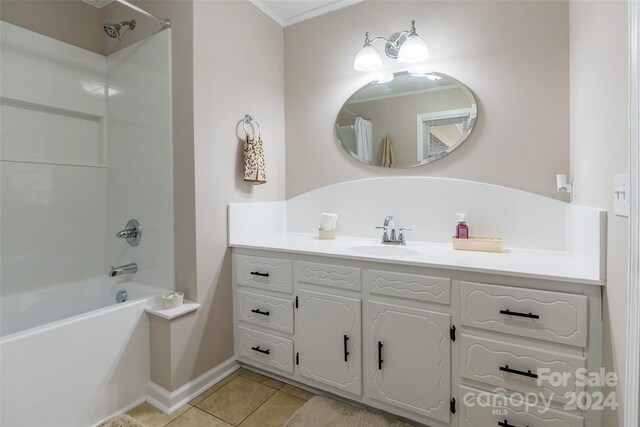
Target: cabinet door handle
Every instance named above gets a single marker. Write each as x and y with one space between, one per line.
380 355
257 311
505 423
346 352
515 313
257 273
526 373
259 350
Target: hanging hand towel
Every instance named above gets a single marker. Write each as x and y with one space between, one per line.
388 158
254 167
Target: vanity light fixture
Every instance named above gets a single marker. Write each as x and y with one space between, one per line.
405 46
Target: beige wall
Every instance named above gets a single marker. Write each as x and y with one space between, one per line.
512 55
599 150
71 21
230 79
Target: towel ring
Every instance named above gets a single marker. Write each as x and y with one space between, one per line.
248 119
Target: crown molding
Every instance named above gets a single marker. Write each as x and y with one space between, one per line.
321 10
260 5
98 3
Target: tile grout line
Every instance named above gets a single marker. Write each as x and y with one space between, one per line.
204 410
178 416
192 406
270 397
232 375
259 406
244 419
195 407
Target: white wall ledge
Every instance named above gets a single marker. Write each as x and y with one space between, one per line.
172 313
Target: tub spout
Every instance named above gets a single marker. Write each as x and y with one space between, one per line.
123 269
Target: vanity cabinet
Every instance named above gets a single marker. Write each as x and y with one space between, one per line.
431 345
328 340
409 359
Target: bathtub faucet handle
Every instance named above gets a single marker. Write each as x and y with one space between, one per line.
125 234
132 232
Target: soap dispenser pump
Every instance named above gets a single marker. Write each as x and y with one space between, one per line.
462 231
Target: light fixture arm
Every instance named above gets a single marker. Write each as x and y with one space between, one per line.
394 40
407 42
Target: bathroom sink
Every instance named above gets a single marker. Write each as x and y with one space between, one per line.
381 250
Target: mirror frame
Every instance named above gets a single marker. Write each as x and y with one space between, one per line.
464 137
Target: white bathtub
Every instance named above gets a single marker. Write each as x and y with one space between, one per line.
71 355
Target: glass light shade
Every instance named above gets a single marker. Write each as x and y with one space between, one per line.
368 59
413 50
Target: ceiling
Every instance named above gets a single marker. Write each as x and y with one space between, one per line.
290 12
283 12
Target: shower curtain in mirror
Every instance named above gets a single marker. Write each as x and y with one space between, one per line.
364 133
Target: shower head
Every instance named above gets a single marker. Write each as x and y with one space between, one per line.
113 30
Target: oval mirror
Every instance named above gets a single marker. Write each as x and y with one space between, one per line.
408 121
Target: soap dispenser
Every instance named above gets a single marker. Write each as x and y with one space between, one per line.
462 231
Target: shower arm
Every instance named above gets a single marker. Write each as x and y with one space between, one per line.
166 23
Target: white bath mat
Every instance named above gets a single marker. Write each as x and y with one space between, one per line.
322 411
121 421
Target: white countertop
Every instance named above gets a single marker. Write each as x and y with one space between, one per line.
546 265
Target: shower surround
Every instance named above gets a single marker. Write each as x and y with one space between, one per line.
85 146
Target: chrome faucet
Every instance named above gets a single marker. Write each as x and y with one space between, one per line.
123 269
389 235
132 232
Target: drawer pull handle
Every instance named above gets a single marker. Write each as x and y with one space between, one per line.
259 350
505 423
527 373
257 311
257 273
515 313
380 356
346 351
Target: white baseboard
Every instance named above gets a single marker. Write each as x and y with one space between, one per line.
168 402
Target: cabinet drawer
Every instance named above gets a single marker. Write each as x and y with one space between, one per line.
513 366
264 310
475 412
264 273
267 349
413 286
335 276
545 315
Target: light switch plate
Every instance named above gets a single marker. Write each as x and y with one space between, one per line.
621 194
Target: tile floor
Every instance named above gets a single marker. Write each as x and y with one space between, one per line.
244 398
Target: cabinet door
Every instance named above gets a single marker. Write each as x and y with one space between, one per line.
409 359
328 340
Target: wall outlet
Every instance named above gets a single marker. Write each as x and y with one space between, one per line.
621 194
